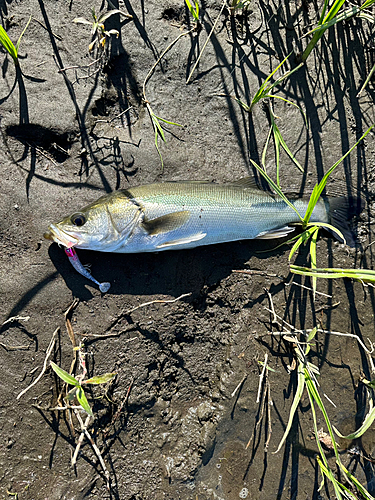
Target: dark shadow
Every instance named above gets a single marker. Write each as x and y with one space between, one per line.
80 115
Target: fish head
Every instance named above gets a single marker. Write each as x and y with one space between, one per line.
102 225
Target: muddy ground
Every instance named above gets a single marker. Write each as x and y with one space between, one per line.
176 421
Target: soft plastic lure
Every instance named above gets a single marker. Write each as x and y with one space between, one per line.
76 263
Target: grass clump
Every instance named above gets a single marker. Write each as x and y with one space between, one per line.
307 374
310 230
98 30
333 15
8 45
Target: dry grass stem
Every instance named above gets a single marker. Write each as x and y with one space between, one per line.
252 272
206 42
94 446
308 288
15 347
48 353
15 318
159 301
81 437
261 377
239 385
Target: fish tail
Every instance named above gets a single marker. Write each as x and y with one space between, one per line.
341 210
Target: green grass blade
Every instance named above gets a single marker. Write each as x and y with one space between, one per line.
312 390
266 148
157 127
167 121
21 35
333 273
336 6
158 150
280 140
311 335
194 11
69 379
367 3
356 483
328 226
276 188
296 400
370 417
276 139
82 400
301 240
7 43
318 188
314 238
100 379
292 103
367 80
347 14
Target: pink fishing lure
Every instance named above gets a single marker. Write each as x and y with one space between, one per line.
76 263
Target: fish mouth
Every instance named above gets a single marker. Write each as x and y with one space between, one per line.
59 236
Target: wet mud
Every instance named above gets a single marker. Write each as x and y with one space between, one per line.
186 332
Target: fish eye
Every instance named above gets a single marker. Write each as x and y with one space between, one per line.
78 219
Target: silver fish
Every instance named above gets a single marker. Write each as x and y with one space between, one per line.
180 215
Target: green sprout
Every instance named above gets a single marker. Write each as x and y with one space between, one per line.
238 4
77 383
8 45
194 11
97 27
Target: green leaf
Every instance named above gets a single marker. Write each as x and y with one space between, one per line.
276 188
312 334
296 400
167 121
7 43
314 238
69 379
100 379
82 400
370 417
71 394
333 273
21 35
302 239
194 11
330 227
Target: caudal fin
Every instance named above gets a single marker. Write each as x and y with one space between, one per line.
341 210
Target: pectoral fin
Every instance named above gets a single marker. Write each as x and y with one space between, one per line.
275 233
183 241
165 223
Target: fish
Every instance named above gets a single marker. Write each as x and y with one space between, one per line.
188 214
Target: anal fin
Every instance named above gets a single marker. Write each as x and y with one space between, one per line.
275 233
